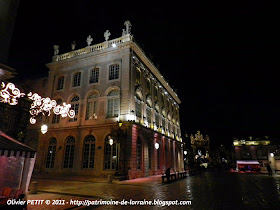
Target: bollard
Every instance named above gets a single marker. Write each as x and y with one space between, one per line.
110 178
33 188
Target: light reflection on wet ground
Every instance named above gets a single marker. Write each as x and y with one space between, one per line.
206 191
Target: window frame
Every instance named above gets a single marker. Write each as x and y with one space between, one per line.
108 72
90 74
73 78
63 84
94 108
90 156
51 155
68 160
111 150
115 99
75 108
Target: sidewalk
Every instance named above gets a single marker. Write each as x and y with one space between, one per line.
55 187
140 181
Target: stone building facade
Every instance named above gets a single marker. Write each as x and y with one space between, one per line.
262 150
127 116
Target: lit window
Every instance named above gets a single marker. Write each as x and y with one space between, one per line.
60 83
75 106
156 93
163 124
51 153
113 104
157 119
89 152
138 108
92 106
56 118
148 88
149 113
110 153
69 152
138 77
114 72
94 76
77 79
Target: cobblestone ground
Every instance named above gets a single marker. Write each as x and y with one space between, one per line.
207 191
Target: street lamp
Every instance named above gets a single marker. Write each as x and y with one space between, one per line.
111 141
44 128
156 145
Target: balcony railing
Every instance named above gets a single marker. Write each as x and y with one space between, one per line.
92 48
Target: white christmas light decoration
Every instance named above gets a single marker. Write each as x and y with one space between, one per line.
64 110
10 93
45 105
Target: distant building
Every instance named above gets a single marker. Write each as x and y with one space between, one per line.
14 119
200 148
260 150
127 115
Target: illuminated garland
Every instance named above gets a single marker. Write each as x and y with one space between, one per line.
10 93
64 110
40 105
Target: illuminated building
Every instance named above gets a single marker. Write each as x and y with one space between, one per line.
259 150
127 116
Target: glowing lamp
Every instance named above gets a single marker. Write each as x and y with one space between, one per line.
185 152
114 45
44 129
272 154
111 141
156 145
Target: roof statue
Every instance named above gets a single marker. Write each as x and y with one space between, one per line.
73 45
127 29
56 49
89 40
107 35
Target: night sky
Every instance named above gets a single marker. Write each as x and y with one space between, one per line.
221 57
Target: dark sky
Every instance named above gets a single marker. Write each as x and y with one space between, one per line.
220 56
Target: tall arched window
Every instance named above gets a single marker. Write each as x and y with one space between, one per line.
150 155
138 76
113 104
76 79
89 152
69 152
51 153
92 106
56 118
75 106
138 154
172 154
138 105
148 87
158 155
110 153
166 154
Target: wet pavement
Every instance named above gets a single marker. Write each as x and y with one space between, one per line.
211 190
